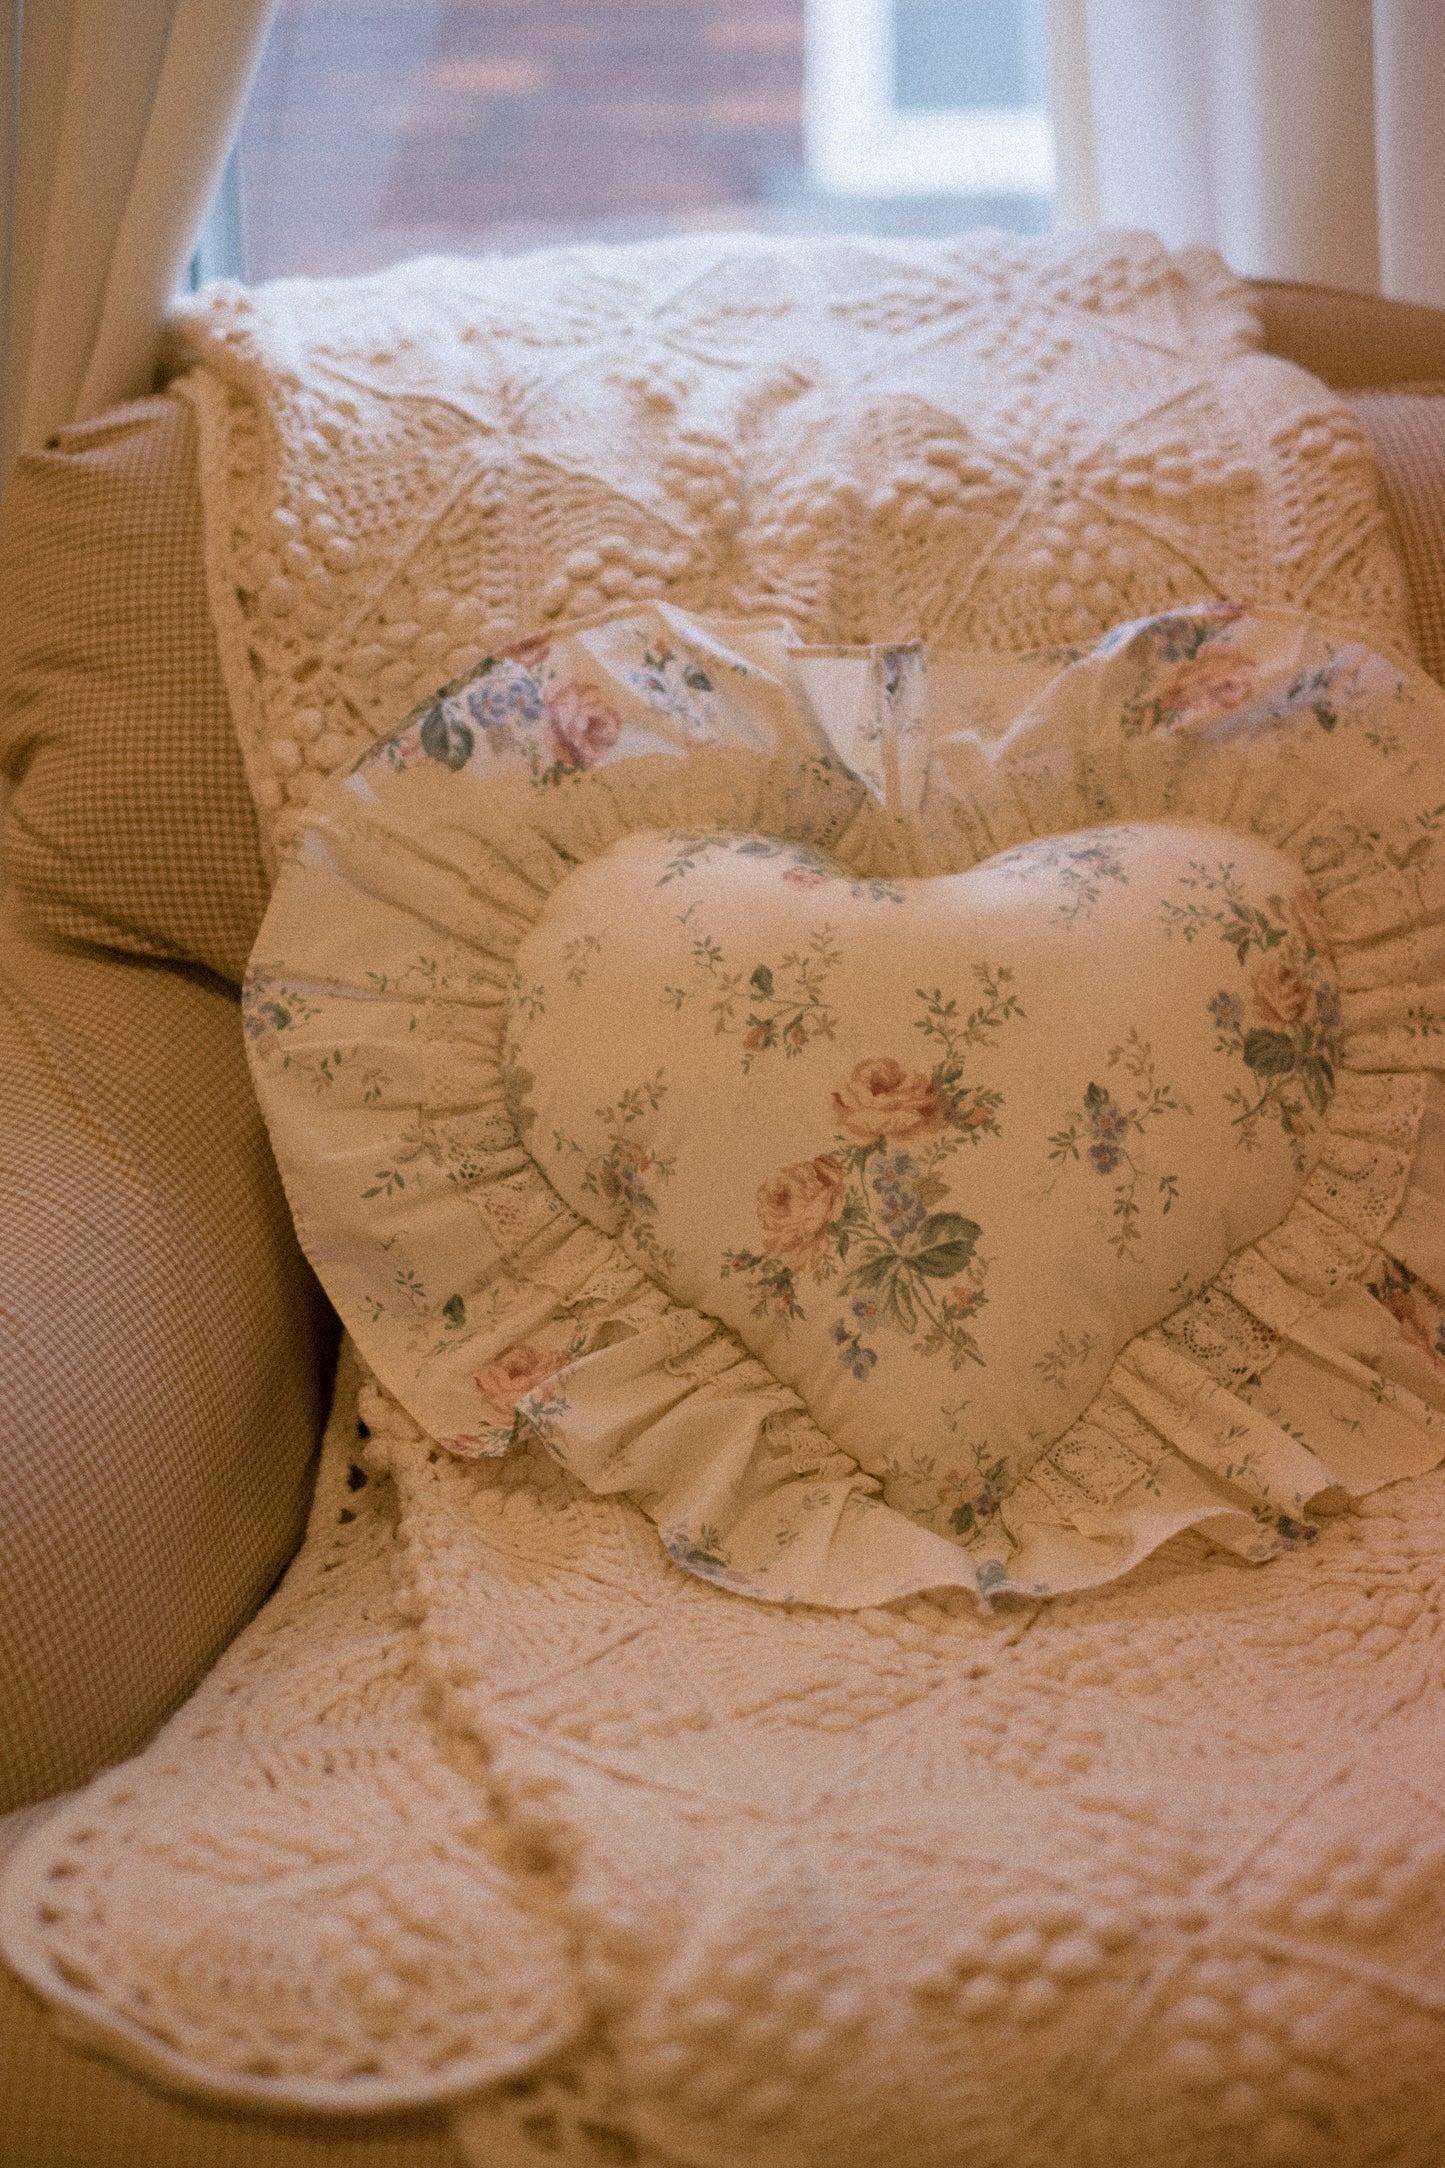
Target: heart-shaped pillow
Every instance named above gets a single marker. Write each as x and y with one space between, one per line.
936 1150
905 1123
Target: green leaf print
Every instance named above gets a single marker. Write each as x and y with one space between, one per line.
1101 1133
1269 1053
445 737
947 1241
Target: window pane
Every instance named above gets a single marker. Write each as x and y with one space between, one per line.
968 52
380 129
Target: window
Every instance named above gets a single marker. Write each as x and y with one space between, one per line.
379 129
931 97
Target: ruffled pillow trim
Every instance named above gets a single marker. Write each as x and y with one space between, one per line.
1306 1373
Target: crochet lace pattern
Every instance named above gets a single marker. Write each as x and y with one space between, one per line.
991 445
495 1801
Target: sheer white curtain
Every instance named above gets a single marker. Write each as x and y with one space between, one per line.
1305 139
116 121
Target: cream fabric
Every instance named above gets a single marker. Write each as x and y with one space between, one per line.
122 123
63 2108
941 1217
875 1888
990 444
929 1094
1193 115
1409 73
506 1998
718 1826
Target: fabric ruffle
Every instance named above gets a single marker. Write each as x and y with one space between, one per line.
1310 1370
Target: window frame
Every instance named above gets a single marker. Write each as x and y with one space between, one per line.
859 142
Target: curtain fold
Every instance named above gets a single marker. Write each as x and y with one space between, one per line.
1410 138
122 119
1304 139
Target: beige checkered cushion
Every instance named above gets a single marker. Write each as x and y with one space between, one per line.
1389 359
1408 427
158 1329
130 821
159 1359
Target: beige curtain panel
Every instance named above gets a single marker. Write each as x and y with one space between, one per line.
1302 138
121 115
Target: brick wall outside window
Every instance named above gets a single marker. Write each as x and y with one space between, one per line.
380 128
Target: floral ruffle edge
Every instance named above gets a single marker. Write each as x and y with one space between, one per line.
1310 1370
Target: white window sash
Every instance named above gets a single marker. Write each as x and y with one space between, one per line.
858 143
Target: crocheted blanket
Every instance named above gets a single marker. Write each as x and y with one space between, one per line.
494 1803
994 446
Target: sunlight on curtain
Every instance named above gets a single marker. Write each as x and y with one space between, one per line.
122 121
1302 138
1410 147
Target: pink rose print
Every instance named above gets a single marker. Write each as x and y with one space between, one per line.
974 1113
467 1446
804 877
1302 909
1211 682
883 1099
1416 1324
861 1220
527 654
797 1205
1281 995
510 1376
793 1037
581 724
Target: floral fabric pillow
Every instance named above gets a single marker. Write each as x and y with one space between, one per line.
935 1150
907 1126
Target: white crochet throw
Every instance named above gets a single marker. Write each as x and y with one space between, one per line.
494 1804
